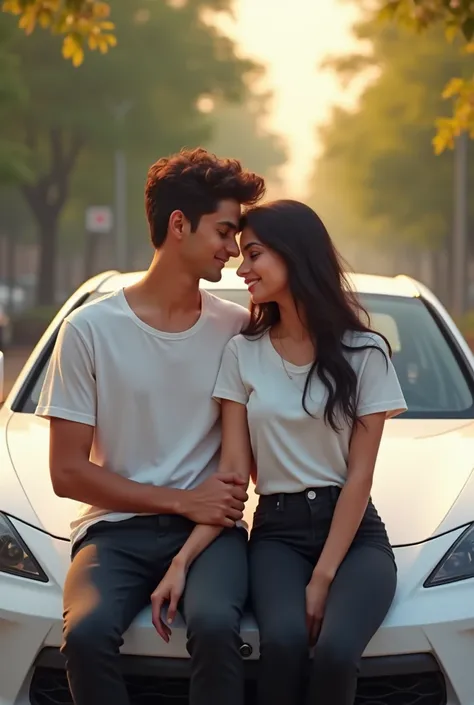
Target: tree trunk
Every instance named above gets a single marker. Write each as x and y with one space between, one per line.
48 243
90 254
10 277
442 283
46 197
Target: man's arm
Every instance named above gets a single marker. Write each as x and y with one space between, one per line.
218 500
69 399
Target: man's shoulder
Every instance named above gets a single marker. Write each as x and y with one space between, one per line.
95 313
228 312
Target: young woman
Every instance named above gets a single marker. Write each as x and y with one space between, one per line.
306 390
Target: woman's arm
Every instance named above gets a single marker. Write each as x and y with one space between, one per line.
236 459
348 514
354 497
236 453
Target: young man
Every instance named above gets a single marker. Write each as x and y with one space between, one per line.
135 437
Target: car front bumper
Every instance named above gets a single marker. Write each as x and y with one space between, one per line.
390 680
423 653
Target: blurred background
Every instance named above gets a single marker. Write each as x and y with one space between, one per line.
332 103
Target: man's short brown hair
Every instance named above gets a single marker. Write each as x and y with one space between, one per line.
194 181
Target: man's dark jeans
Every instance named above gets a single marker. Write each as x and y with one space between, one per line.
114 570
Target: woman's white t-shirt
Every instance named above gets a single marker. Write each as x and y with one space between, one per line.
292 450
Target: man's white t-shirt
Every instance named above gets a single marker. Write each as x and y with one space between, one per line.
147 393
292 450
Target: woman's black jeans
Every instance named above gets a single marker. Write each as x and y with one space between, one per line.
288 535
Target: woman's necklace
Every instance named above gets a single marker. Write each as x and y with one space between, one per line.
282 358
280 344
284 367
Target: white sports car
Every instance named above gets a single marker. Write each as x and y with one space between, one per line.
423 654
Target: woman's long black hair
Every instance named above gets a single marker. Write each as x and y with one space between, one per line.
321 290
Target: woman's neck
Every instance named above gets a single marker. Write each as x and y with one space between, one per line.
292 323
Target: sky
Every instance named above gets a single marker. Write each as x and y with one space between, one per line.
292 37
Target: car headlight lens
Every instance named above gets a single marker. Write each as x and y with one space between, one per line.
15 557
457 564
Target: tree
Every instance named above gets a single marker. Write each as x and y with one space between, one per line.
124 98
12 93
377 159
457 18
80 21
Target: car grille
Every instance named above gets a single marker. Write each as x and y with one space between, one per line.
49 687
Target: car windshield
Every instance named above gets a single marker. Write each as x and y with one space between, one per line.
432 374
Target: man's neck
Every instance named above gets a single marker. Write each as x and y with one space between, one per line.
166 288
166 299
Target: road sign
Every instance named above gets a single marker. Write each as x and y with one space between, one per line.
99 219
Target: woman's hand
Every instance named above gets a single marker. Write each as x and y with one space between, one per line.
169 590
316 595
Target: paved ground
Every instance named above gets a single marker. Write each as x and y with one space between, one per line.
15 358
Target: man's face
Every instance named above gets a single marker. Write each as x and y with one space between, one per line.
213 243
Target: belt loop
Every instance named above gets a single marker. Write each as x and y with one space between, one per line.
280 505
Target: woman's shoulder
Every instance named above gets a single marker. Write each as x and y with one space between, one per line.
244 344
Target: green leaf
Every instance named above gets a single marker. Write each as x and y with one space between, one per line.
454 87
388 12
468 28
451 31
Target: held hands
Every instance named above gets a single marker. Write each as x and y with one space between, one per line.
316 596
219 500
168 591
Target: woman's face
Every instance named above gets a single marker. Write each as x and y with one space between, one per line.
264 271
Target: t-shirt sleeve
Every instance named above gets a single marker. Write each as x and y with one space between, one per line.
69 388
379 388
229 384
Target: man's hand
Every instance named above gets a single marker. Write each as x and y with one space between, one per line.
168 591
219 501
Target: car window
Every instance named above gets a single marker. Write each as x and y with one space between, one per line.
431 374
386 325
32 398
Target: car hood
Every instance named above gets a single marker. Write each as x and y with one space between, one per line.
422 467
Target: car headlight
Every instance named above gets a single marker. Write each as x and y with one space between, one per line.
457 564
15 556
